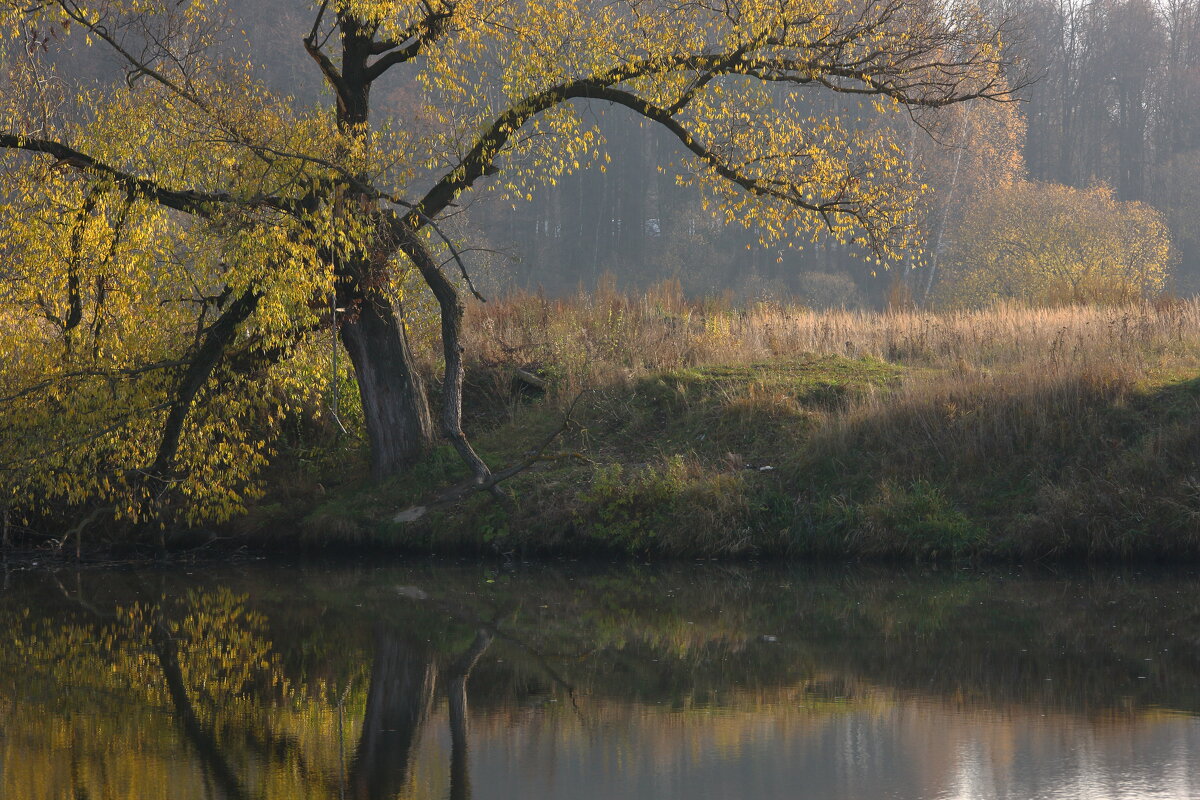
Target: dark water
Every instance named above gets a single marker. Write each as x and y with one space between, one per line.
435 681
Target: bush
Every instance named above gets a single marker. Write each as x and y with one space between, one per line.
922 517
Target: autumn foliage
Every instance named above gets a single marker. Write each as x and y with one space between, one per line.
176 241
1048 244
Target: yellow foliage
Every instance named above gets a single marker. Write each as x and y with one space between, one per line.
1049 244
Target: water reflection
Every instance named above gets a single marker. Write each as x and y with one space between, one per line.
430 681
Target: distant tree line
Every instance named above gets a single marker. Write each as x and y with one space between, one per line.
1118 102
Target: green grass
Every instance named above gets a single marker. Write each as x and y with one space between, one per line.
777 431
813 456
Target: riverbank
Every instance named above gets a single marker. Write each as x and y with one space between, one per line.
655 427
707 433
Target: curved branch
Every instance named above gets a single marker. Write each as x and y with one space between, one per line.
451 308
336 82
188 201
754 186
884 80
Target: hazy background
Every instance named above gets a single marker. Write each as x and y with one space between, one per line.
1109 94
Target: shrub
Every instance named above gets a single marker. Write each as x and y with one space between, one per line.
1047 244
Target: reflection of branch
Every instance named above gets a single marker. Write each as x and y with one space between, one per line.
201 738
460 671
545 665
341 727
4 541
462 666
462 614
78 598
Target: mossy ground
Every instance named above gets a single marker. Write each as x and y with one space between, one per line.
809 456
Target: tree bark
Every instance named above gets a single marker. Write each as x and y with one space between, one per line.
451 308
395 409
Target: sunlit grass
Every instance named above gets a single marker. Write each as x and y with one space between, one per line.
597 336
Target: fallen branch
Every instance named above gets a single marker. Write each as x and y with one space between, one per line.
527 377
470 487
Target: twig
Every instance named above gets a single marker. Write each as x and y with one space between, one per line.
78 530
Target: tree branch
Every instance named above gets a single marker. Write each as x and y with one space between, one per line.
410 45
199 369
336 82
464 490
866 79
186 200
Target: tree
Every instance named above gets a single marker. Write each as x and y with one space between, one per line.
1177 197
1050 244
251 208
985 158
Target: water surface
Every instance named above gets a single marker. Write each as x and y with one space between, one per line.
427 680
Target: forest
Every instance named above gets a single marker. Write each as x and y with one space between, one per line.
886 278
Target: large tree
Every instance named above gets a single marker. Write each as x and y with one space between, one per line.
173 239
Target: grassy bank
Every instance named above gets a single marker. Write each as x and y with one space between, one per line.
705 431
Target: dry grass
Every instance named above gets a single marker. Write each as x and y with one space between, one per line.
1058 430
594 338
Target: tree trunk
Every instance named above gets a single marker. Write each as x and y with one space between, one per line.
395 408
452 381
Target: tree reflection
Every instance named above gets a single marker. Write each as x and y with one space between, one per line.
197 732
188 662
403 677
401 695
460 673
137 692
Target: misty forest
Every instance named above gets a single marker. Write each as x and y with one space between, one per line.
881 278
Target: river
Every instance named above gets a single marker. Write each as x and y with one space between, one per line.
417 679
